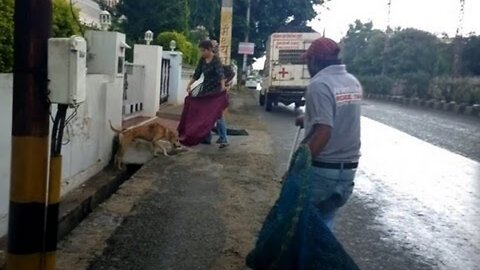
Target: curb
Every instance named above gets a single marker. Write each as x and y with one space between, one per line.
451 107
79 203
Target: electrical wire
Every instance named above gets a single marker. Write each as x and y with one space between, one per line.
57 130
73 115
68 127
68 124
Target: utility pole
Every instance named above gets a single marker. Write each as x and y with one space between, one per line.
225 44
457 43
247 35
29 244
387 39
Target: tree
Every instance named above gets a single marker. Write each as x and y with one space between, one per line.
6 35
155 15
190 52
267 17
63 25
204 13
270 16
413 51
198 34
444 63
362 49
471 56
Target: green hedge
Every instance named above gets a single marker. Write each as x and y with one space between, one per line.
63 25
415 85
191 53
461 90
377 84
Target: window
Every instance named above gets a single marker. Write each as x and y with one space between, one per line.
120 65
292 57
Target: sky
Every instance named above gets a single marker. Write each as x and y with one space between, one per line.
435 16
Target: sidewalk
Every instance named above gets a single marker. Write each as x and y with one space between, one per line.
200 209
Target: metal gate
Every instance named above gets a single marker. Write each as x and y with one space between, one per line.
165 81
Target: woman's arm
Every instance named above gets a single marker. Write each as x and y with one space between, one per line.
189 86
222 85
196 75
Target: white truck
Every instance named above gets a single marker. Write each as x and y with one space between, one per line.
285 73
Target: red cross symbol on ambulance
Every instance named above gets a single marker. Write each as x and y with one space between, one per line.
283 72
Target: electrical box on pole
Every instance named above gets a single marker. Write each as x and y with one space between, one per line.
67 70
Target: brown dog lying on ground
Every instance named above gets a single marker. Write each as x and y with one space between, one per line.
152 132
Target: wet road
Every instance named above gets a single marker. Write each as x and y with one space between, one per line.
415 205
457 134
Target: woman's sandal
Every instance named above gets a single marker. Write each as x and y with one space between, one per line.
223 145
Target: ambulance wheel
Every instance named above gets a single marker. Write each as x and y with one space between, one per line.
261 99
268 103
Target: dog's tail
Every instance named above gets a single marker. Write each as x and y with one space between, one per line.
114 129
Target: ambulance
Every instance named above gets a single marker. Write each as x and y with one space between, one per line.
285 73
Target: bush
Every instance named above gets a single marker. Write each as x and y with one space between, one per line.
377 84
460 90
63 22
195 56
190 52
416 84
64 25
6 35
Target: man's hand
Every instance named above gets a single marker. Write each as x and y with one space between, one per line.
299 122
319 138
189 89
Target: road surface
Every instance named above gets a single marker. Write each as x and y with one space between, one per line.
415 205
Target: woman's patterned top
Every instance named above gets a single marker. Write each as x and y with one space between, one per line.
212 73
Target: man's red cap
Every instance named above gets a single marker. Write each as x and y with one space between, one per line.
322 49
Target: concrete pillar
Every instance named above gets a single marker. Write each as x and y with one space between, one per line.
106 53
6 98
176 92
151 57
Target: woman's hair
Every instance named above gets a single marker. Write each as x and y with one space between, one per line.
206 44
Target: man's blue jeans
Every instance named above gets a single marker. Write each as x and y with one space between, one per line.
331 189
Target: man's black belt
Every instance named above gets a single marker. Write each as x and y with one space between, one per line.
338 166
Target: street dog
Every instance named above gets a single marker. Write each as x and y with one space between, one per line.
152 132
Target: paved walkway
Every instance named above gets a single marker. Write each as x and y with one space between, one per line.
199 210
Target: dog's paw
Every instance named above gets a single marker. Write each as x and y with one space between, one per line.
179 150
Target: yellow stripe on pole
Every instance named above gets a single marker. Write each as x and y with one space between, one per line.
35 261
55 179
29 169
